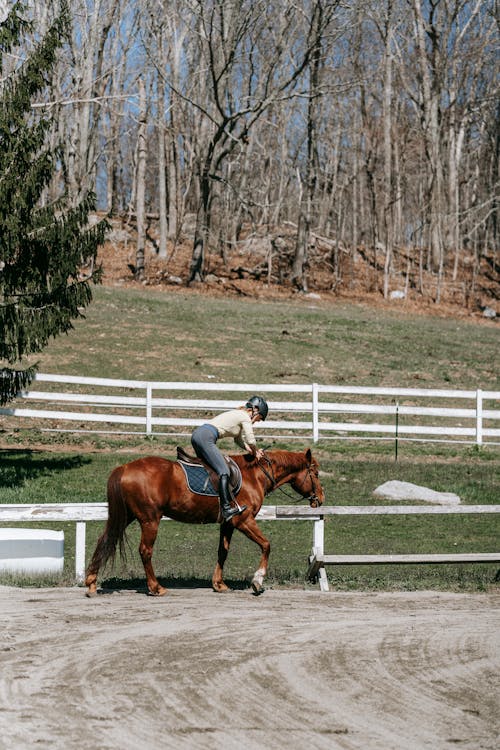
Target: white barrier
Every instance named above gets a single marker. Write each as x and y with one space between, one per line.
82 512
318 559
404 414
33 551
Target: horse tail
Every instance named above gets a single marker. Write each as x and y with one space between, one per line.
118 520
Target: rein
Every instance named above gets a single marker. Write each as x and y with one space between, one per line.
274 485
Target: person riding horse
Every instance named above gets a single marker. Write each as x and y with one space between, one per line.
238 424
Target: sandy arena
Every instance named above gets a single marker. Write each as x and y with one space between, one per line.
290 669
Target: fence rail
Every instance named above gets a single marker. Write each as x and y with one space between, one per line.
318 559
83 512
312 411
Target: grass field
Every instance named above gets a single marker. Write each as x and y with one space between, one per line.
131 333
146 334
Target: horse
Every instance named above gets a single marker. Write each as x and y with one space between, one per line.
148 488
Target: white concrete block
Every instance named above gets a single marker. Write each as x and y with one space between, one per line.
34 551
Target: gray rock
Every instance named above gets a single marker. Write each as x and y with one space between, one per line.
396 490
489 312
118 235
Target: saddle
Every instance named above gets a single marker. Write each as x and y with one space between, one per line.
202 479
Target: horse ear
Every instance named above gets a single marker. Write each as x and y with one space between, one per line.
309 455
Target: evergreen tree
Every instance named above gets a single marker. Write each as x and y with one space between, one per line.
44 246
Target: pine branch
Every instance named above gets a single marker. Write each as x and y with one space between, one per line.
42 247
14 381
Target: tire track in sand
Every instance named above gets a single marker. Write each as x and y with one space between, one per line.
290 669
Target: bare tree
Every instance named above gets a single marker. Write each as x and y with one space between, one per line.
140 200
371 124
249 69
321 15
87 61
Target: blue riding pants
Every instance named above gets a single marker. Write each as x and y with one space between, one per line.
203 440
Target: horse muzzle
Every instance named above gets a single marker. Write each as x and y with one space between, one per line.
314 501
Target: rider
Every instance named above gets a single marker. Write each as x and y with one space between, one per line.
236 423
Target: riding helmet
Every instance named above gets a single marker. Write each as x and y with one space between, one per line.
257 402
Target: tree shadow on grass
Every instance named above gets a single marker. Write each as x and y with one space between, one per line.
18 466
113 585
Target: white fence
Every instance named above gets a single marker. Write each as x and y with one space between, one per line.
83 512
317 412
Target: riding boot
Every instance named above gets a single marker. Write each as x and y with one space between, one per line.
225 499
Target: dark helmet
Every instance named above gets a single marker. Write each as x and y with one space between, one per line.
257 402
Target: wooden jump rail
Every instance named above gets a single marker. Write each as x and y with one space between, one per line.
83 512
318 559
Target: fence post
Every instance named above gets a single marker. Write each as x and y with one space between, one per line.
315 415
319 535
80 551
318 550
479 417
397 432
149 407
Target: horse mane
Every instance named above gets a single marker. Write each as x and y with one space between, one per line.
288 459
283 459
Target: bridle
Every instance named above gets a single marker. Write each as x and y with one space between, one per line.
312 498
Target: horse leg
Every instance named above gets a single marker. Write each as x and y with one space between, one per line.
226 532
149 530
94 565
250 529
105 550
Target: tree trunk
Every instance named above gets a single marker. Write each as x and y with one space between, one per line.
202 229
387 119
173 187
430 91
305 208
162 182
140 201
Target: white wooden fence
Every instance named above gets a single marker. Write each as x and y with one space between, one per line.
303 411
83 512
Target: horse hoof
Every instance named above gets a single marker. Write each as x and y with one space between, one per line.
220 588
160 591
91 592
257 588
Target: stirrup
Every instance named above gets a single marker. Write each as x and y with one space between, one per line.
233 511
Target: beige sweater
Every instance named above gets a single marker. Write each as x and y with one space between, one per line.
237 424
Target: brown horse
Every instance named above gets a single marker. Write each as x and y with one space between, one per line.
152 487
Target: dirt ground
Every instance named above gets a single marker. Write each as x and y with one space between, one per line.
289 669
359 281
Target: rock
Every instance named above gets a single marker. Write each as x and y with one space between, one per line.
396 490
312 295
118 235
397 294
489 312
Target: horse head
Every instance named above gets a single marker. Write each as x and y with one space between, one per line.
307 483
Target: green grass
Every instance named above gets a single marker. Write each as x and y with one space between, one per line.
185 554
145 334
139 334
